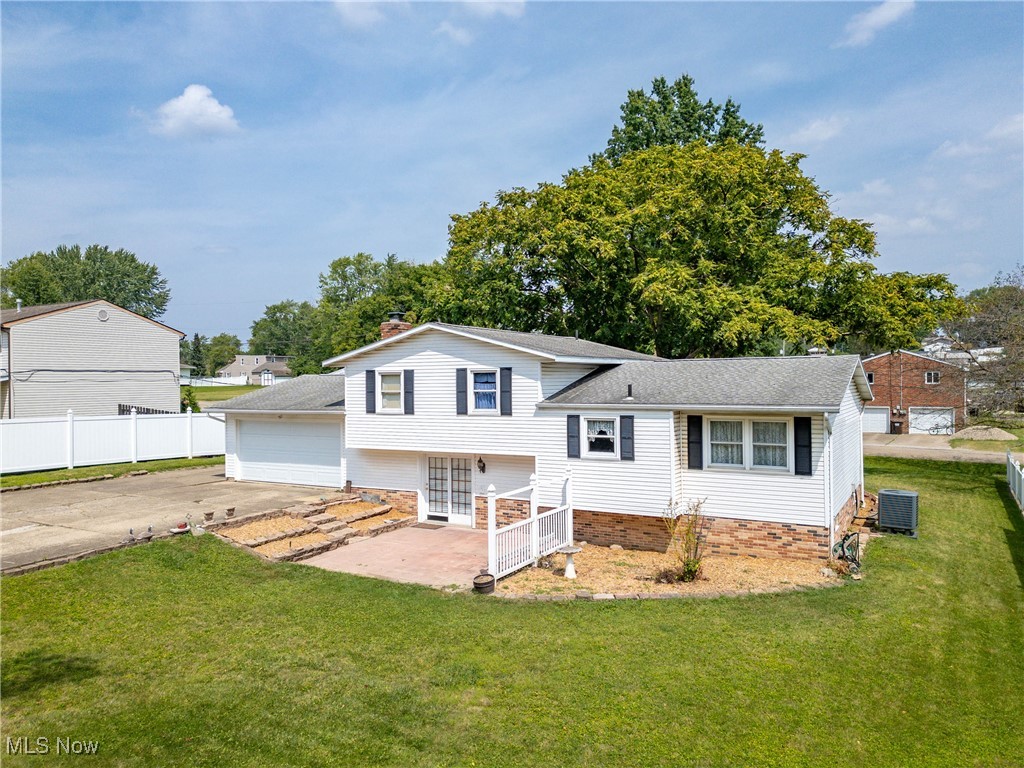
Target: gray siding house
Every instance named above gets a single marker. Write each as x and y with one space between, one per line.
86 356
258 369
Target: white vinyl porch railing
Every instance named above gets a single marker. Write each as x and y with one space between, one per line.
1015 479
524 542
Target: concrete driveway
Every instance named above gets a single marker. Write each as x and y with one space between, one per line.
935 447
58 521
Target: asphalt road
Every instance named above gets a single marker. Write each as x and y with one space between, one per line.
46 523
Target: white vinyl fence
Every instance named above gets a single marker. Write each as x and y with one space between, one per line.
214 381
522 543
78 441
1015 479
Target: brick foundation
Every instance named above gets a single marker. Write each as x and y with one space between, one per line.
844 518
726 536
406 502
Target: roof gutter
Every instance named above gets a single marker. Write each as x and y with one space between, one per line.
334 412
628 406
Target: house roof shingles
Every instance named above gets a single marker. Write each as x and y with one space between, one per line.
757 382
324 393
560 346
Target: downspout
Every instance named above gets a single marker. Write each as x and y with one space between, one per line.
10 375
827 434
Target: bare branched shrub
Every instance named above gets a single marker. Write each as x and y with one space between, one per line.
687 530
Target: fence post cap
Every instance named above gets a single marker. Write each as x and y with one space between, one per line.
189 409
134 411
70 411
491 490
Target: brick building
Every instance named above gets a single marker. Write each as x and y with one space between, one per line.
914 394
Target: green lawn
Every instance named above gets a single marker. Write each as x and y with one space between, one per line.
117 470
191 652
216 394
993 445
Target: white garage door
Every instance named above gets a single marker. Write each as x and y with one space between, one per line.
296 452
925 421
876 419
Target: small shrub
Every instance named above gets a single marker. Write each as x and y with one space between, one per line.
689 570
687 531
188 400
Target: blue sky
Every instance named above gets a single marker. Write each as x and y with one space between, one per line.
243 146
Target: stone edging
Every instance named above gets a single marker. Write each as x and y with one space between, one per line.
605 596
61 482
39 565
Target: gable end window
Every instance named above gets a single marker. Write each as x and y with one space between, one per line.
871 377
931 377
390 392
485 392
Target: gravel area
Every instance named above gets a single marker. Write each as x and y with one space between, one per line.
261 528
295 542
985 433
624 571
341 511
370 522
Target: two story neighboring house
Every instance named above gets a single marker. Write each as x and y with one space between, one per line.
429 417
86 356
258 369
915 394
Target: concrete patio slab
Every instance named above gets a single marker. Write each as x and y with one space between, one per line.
62 520
440 557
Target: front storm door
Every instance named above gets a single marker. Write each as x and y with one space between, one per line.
449 490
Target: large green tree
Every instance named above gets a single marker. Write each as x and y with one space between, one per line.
220 351
356 294
700 250
673 114
69 274
284 329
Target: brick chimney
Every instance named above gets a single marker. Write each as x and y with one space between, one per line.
394 325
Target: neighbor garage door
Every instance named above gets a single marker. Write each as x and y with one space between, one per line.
931 420
876 419
290 451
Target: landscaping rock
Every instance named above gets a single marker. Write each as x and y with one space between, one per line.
334 525
616 547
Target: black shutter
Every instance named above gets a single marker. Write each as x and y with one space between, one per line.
572 436
626 438
505 388
461 403
802 445
371 391
407 389
695 442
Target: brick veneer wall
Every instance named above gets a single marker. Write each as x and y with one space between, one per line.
891 389
506 510
406 502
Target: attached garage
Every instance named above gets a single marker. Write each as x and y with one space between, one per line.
292 432
876 419
925 421
291 451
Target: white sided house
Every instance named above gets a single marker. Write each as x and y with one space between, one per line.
87 356
430 417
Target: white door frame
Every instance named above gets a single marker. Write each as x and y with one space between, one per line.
424 492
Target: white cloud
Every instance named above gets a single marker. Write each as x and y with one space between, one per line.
1010 129
195 113
512 9
816 132
359 14
862 28
456 34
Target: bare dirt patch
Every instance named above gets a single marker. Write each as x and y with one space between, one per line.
372 522
626 571
263 528
295 542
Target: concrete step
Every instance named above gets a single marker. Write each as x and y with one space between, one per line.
321 519
341 536
334 525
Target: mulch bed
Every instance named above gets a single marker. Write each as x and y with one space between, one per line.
618 571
